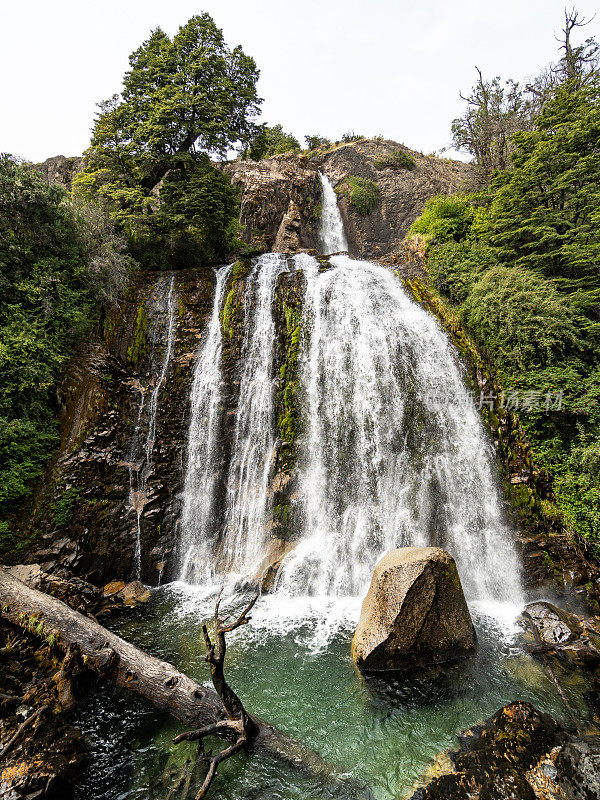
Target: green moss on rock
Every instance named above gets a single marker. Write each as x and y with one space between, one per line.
138 348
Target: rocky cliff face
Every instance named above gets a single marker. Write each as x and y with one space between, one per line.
60 169
279 199
281 196
126 411
85 515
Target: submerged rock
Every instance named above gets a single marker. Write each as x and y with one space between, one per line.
414 614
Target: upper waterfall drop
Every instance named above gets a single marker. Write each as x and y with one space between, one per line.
333 238
197 524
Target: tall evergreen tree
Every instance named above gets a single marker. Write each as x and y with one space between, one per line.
183 100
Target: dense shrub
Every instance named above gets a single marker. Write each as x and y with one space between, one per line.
362 193
456 266
522 319
398 159
58 266
445 218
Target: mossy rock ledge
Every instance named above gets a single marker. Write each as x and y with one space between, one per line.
414 615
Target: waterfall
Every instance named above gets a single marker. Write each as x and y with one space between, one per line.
394 452
253 452
197 523
333 238
390 457
140 464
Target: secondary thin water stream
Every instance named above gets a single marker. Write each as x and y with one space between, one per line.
163 327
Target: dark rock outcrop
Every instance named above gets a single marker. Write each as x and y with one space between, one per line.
414 614
60 169
578 767
493 758
271 191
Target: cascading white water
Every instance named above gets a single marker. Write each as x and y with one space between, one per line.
247 500
197 519
389 457
140 470
333 238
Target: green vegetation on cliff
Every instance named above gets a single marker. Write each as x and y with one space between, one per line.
184 99
519 262
398 159
59 265
362 193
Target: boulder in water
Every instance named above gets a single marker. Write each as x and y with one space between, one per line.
414 614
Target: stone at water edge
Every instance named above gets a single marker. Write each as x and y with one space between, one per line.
130 593
415 613
578 766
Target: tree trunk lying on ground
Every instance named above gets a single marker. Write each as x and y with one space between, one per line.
157 681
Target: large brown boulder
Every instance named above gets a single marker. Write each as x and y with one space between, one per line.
414 614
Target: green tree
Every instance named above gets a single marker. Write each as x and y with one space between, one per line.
493 115
270 141
57 267
183 99
545 212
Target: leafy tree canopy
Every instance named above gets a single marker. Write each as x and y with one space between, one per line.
270 141
182 100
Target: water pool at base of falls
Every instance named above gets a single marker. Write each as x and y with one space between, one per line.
292 667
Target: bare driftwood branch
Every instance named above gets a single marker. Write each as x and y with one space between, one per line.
239 723
159 682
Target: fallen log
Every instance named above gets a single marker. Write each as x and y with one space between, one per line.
159 682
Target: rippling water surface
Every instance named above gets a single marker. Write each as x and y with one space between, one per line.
292 667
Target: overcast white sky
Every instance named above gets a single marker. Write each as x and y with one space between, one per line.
391 67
